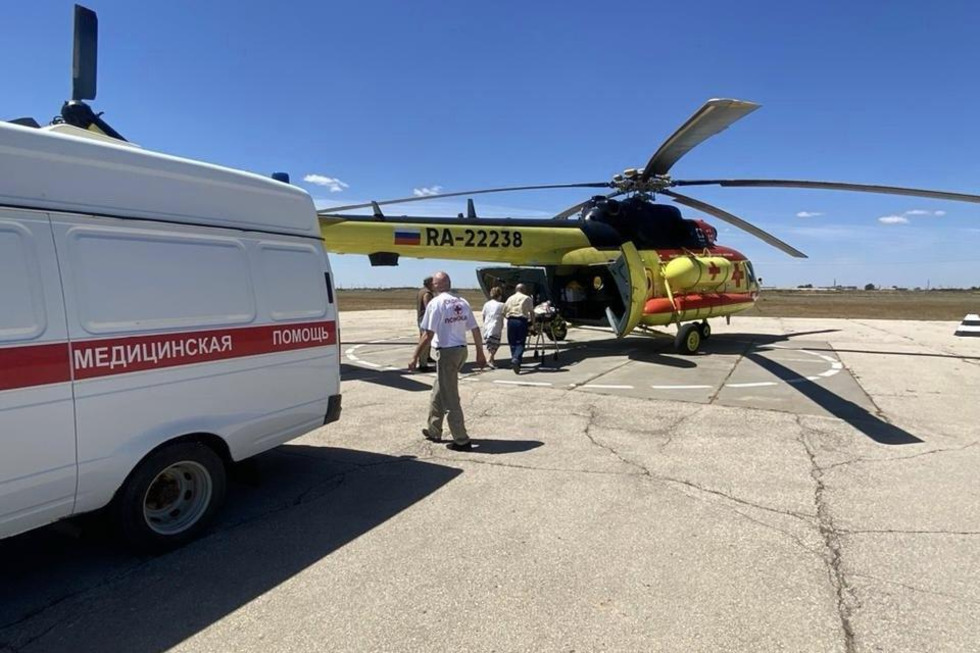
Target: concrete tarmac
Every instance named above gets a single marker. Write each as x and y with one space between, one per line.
801 485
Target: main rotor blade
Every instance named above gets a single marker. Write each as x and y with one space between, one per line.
735 221
833 185
715 116
349 207
572 210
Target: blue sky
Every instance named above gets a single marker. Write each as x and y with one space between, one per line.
392 96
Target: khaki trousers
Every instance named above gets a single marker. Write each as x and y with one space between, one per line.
445 395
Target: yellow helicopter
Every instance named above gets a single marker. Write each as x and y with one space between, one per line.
623 263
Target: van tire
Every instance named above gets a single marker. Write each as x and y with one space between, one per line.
171 496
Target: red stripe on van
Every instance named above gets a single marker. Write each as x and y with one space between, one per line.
23 367
95 358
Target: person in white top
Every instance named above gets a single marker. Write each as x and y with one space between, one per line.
447 319
493 323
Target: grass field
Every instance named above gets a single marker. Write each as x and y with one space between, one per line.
878 304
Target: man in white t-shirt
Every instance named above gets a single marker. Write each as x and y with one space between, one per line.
447 319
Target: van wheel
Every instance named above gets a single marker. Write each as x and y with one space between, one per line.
171 496
688 339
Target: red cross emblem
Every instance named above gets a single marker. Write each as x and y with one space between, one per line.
738 275
713 270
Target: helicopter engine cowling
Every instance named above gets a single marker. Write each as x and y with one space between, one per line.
698 272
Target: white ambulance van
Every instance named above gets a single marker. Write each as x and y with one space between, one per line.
160 319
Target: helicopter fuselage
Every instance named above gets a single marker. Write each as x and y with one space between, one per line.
640 260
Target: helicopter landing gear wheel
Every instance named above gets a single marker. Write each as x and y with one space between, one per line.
705 330
688 339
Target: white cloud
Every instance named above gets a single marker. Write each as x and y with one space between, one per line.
808 214
334 184
893 219
832 233
427 191
938 214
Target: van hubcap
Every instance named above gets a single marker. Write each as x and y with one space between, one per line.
177 498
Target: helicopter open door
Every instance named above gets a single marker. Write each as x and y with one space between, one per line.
631 280
534 278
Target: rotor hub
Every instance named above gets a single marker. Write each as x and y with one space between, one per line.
631 180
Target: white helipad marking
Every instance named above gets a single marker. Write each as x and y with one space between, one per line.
602 386
679 387
835 367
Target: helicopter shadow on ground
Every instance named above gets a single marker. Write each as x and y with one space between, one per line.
657 348
575 352
71 587
398 379
871 425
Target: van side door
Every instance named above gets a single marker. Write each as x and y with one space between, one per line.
37 422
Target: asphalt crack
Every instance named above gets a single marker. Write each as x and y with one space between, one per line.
734 499
899 531
592 416
900 458
833 546
670 430
731 372
645 472
918 590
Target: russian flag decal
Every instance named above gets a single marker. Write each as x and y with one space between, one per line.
408 237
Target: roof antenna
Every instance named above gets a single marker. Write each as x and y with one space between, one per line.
378 215
84 67
470 209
